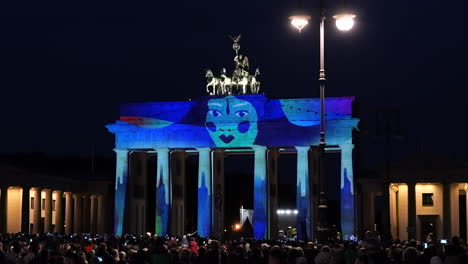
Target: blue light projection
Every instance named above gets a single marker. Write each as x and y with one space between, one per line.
260 223
235 122
303 195
231 121
120 189
162 192
204 192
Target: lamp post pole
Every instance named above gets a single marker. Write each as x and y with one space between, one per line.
344 22
322 206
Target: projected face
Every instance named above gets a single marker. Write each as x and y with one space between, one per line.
231 122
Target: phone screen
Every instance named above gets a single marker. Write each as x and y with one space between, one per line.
425 245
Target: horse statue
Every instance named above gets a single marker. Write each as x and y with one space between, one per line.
226 83
243 82
214 82
240 80
254 83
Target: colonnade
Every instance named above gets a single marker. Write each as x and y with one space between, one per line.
170 191
41 210
419 208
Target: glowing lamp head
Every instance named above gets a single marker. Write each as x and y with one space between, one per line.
344 21
237 227
299 21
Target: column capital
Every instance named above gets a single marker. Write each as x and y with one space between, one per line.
273 152
162 150
47 190
120 150
204 149
259 148
302 148
346 146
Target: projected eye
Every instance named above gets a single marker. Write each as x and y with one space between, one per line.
214 113
241 113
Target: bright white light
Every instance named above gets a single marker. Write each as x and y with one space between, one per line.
296 212
288 211
280 212
344 22
299 22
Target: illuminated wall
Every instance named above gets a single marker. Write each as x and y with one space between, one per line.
233 122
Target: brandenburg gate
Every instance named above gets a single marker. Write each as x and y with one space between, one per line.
212 127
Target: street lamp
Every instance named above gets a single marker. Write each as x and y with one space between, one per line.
344 22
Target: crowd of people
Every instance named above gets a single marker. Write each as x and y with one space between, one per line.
94 249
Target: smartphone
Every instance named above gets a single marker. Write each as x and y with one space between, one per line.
443 241
425 245
100 259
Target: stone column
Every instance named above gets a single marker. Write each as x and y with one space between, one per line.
204 192
3 208
272 174
86 213
455 208
466 201
163 202
369 208
260 218
93 214
303 203
218 193
68 213
36 194
121 177
411 210
78 213
48 211
385 221
100 214
178 193
59 213
348 220
447 221
25 221
314 171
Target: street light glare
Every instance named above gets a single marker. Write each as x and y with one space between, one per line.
344 22
300 21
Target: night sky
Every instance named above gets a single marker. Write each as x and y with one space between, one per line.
65 68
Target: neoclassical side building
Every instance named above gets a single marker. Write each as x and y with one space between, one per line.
211 128
426 194
38 202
